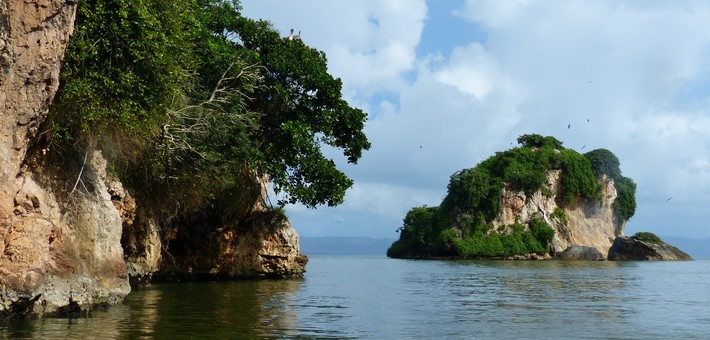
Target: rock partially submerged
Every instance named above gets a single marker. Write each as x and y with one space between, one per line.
580 253
626 248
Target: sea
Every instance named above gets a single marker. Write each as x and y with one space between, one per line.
374 297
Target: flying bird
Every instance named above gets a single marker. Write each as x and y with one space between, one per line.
569 125
583 146
669 198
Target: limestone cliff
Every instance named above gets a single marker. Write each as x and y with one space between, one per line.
65 221
589 222
60 251
252 242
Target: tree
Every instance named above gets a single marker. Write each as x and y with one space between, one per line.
302 109
534 140
198 94
122 67
604 162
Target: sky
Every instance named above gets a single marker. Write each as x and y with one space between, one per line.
447 83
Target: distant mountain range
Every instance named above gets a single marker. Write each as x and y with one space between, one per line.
345 245
697 248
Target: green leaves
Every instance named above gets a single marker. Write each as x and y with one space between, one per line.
605 162
301 107
195 101
123 66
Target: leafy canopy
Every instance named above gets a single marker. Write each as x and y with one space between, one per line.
190 96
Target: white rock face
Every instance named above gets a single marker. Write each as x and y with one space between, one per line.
590 223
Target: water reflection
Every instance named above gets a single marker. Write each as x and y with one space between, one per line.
379 298
535 296
245 309
241 309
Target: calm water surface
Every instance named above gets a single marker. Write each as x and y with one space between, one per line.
380 298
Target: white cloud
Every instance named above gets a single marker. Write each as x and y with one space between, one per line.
369 43
471 70
493 13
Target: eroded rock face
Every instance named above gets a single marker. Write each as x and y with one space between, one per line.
256 242
61 248
33 37
627 248
590 223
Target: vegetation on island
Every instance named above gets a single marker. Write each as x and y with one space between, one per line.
189 98
648 237
461 226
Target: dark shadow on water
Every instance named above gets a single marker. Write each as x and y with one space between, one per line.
239 309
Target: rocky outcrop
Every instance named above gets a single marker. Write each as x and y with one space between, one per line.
33 37
627 248
588 223
252 242
266 246
60 252
580 253
263 246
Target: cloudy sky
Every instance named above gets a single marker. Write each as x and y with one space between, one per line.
447 83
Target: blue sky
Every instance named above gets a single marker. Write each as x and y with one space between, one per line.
463 79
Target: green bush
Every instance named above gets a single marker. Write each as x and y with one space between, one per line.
520 242
578 177
397 250
123 66
625 203
605 162
648 237
559 213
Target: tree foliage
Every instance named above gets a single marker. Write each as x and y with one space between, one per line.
303 110
122 66
534 140
604 162
190 96
648 237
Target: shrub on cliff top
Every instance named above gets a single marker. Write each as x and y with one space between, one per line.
648 237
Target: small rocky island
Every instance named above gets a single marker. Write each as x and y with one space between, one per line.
536 201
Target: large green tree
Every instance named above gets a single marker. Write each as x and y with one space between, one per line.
193 95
